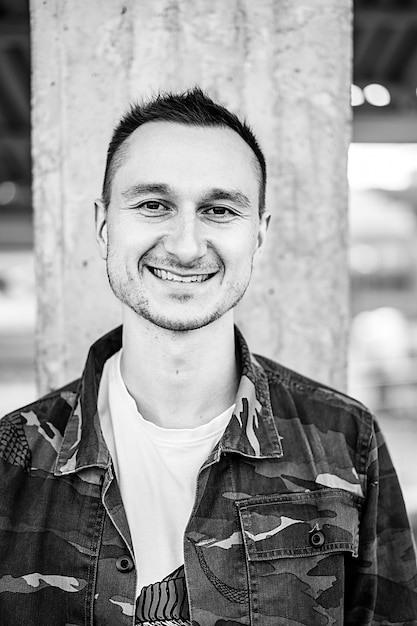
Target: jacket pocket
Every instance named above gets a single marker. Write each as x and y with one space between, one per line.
296 548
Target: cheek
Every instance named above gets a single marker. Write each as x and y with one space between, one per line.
123 238
241 254
250 245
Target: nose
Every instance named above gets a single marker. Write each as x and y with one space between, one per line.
185 240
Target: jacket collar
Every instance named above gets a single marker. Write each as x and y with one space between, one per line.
251 431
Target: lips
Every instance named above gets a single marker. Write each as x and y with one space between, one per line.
180 278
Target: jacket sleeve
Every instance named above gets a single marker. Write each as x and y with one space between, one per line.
382 586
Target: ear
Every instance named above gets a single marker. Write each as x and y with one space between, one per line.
263 229
101 227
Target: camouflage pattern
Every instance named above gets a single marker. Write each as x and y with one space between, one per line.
298 517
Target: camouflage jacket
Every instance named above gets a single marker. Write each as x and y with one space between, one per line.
298 517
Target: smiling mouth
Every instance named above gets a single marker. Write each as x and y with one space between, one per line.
179 278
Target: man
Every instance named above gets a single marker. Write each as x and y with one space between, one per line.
183 480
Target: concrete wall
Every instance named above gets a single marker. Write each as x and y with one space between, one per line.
286 66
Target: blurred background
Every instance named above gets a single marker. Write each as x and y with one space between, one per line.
382 175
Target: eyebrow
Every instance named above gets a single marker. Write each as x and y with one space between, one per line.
212 195
144 188
232 195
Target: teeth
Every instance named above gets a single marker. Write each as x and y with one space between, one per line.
164 275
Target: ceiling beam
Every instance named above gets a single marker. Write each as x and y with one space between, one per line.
410 73
384 127
394 19
13 33
388 55
14 87
362 44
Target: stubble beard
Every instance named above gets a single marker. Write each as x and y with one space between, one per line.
129 292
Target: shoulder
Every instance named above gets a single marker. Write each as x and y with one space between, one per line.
38 423
308 389
316 405
49 407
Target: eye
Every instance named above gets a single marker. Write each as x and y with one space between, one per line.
220 213
153 207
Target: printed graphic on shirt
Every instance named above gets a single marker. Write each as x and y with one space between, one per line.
164 603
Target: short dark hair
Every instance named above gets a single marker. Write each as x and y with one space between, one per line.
192 108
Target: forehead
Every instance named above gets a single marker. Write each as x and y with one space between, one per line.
189 157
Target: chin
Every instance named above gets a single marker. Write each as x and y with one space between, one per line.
179 325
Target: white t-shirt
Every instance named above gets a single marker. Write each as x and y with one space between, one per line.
156 469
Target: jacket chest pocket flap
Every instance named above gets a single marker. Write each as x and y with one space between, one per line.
300 524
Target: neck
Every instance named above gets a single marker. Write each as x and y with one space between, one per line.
179 379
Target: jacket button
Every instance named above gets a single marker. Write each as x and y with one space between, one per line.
317 539
124 564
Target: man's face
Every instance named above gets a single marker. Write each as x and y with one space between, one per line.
182 228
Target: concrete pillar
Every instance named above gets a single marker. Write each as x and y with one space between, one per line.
286 66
